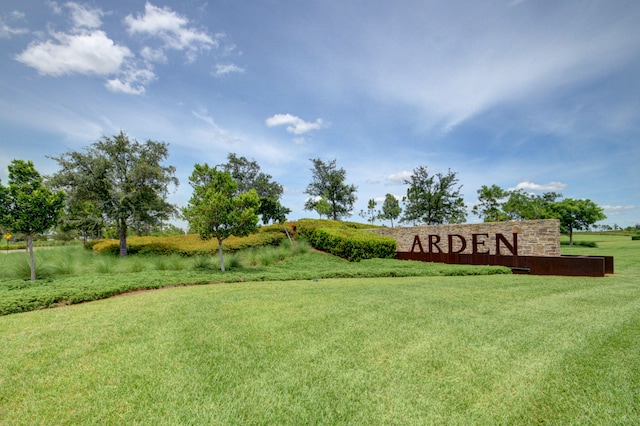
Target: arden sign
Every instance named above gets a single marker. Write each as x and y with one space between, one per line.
456 243
531 246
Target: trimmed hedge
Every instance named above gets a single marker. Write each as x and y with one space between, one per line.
635 238
192 244
346 240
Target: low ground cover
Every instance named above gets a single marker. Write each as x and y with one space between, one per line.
493 349
74 275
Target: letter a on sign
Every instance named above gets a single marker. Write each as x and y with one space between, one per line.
416 241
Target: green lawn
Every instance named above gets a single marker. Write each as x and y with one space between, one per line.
495 349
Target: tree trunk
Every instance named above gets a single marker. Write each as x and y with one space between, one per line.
32 262
570 236
122 230
221 255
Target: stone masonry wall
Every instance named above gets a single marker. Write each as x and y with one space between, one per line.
534 237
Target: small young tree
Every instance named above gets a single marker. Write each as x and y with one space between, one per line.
216 210
391 209
329 184
433 199
370 213
320 205
576 214
27 206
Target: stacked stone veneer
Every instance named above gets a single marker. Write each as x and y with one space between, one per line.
535 237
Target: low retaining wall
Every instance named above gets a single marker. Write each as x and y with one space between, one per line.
526 238
527 247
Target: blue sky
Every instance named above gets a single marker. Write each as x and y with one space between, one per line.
541 95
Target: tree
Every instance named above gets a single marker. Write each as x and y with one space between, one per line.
490 201
525 206
27 206
272 210
391 209
321 206
433 199
328 183
248 175
576 215
370 213
124 179
82 216
216 209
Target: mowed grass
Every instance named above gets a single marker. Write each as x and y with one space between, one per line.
499 349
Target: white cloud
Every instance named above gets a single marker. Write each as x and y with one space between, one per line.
294 124
153 55
6 28
171 28
216 133
131 82
399 178
222 69
617 209
551 186
83 17
87 53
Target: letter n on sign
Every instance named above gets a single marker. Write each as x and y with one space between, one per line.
512 247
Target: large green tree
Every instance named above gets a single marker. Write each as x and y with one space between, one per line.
328 183
576 215
124 179
216 209
248 175
27 206
521 205
490 202
433 199
391 209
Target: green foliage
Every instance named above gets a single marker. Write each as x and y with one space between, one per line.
490 203
576 215
191 245
248 176
481 350
521 205
97 277
591 244
433 199
217 210
328 183
346 240
635 237
27 206
370 213
391 209
121 180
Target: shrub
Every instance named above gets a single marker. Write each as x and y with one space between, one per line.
635 238
345 239
192 245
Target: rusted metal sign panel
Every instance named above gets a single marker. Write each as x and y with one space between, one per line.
586 266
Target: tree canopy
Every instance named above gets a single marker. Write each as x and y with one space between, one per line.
433 199
248 175
27 206
328 183
576 215
391 209
121 178
216 209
